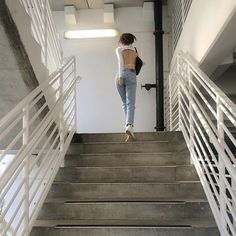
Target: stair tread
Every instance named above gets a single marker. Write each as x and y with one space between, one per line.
124 200
121 142
141 183
194 222
127 153
126 167
141 136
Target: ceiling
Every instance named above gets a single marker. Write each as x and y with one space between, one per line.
58 5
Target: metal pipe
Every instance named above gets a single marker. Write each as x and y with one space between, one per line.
159 65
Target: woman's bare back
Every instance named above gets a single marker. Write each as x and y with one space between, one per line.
129 57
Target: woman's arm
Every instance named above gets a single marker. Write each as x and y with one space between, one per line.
120 61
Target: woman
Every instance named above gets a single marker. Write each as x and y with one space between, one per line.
126 80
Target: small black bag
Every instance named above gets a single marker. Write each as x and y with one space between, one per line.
138 63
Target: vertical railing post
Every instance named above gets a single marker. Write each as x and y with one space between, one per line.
170 101
26 166
45 32
75 92
182 13
191 123
61 116
220 132
233 202
178 84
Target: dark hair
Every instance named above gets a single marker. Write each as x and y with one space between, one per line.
127 39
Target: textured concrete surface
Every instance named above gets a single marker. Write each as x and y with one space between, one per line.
112 188
127 231
17 78
180 191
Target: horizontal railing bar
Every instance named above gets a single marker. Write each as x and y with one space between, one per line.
216 194
6 189
205 168
212 202
72 119
13 124
204 99
43 162
14 215
11 145
28 147
70 105
218 92
175 127
44 146
41 200
228 221
204 139
185 122
229 153
23 102
226 130
36 115
19 224
204 113
4 212
48 117
230 117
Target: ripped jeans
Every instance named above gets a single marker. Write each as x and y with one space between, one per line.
127 91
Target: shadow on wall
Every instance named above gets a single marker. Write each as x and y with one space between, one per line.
17 77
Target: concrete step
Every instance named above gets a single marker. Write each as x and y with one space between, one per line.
188 222
120 137
112 188
126 191
160 174
162 211
128 159
130 147
126 231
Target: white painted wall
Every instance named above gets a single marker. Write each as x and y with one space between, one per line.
98 103
204 24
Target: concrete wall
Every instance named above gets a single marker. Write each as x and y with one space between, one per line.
16 75
98 103
227 81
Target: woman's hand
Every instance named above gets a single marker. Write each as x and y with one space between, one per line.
120 81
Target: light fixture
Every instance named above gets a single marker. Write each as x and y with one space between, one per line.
99 33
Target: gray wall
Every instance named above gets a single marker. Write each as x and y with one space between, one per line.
16 75
17 78
227 82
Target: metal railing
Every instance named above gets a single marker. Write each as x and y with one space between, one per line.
180 9
44 32
207 119
34 140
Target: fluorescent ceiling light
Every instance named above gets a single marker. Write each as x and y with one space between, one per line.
81 34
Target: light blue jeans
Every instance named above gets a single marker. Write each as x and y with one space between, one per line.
127 93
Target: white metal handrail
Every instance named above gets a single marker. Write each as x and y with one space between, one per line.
180 9
207 119
44 32
34 140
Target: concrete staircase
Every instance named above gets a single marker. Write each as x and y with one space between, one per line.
112 188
